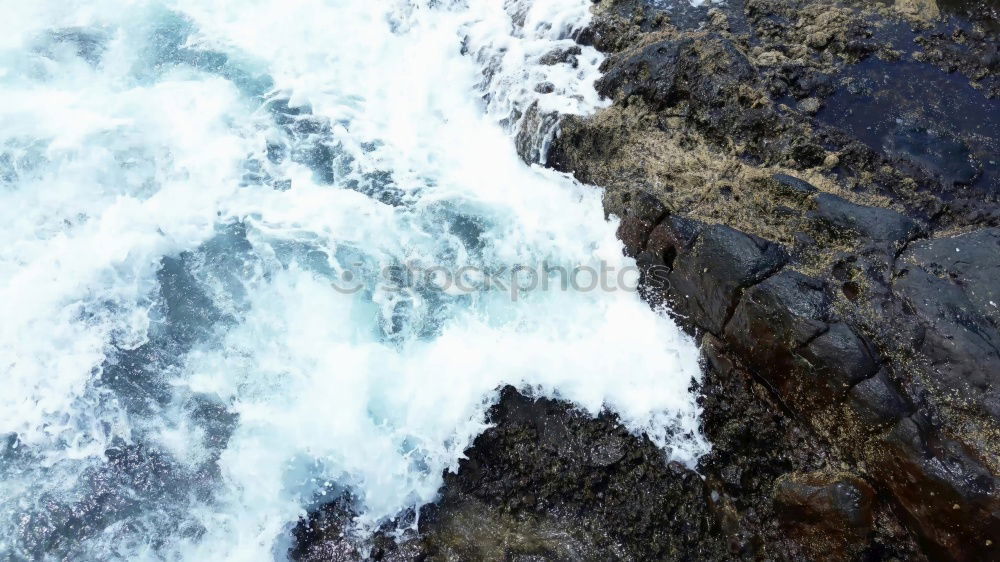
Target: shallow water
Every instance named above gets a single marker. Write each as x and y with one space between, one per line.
205 206
921 115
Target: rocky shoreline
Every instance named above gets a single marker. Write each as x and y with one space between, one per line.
812 186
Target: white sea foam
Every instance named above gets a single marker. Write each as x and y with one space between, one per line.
184 183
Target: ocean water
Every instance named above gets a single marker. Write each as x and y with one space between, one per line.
206 208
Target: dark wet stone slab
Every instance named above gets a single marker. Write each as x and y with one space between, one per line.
875 223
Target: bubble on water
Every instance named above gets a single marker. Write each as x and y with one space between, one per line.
186 192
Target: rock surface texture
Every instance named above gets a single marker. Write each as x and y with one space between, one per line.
850 270
812 186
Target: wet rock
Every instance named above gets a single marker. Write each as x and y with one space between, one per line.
545 482
794 186
970 260
838 502
949 296
831 513
668 71
840 356
551 482
646 206
545 88
708 277
115 490
714 351
747 458
674 234
658 63
878 401
808 85
323 536
633 232
8 445
874 223
806 154
946 492
644 212
566 56
533 129
781 327
788 310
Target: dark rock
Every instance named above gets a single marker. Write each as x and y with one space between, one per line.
672 235
707 278
786 311
875 223
530 140
781 327
312 535
794 186
544 482
662 243
841 356
702 119
567 56
647 207
807 154
878 401
805 82
948 495
832 513
837 502
972 261
666 72
748 457
962 345
714 351
683 231
545 88
581 477
657 63
633 232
